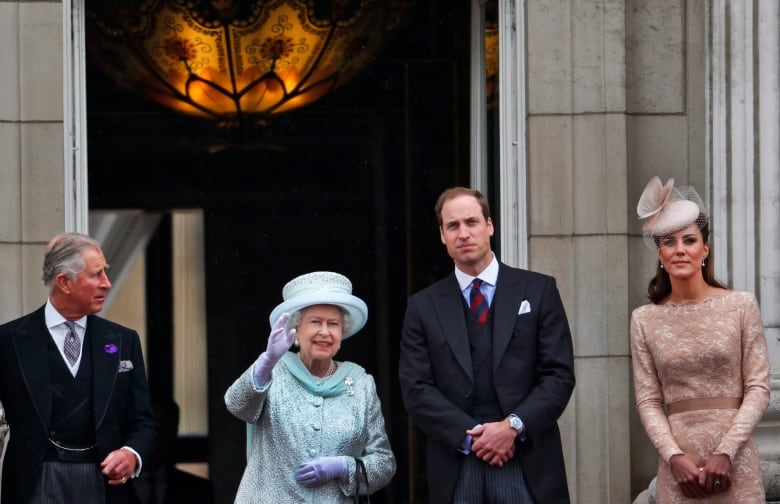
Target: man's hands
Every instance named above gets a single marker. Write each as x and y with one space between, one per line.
697 482
119 466
493 442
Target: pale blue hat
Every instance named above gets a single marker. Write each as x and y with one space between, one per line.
322 287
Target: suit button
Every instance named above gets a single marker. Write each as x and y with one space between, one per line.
468 395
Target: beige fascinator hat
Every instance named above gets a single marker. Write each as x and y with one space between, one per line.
322 287
669 209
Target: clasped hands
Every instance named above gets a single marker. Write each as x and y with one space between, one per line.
697 481
493 442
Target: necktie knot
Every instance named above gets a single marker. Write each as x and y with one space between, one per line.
478 303
72 347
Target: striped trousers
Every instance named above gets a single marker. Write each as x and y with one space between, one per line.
69 483
481 483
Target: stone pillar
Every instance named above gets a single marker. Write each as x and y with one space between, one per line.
744 148
577 222
31 140
32 202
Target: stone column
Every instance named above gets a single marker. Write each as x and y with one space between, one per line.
744 151
577 222
31 140
32 195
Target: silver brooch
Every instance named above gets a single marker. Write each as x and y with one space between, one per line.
350 386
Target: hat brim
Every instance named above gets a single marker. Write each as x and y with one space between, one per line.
353 305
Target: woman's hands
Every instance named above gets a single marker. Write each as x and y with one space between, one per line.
322 469
715 474
697 482
687 473
279 341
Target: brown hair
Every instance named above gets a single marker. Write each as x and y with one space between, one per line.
454 192
660 286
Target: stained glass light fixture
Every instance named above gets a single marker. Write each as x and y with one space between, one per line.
238 62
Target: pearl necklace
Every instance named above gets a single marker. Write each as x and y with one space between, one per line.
331 369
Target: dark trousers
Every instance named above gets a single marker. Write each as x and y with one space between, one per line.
68 483
481 483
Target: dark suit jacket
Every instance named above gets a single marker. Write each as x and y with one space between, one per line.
123 413
533 376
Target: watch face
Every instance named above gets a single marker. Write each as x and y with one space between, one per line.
515 423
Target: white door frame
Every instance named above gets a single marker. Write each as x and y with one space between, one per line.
74 116
512 186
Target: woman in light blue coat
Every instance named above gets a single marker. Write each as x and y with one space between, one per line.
312 419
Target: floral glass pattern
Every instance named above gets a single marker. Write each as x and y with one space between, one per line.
234 60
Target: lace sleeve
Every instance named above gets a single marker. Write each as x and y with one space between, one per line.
755 378
649 396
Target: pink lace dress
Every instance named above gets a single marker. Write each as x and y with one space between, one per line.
710 348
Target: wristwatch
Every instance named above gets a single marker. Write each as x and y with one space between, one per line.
516 423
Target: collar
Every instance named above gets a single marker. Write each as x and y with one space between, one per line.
488 275
54 318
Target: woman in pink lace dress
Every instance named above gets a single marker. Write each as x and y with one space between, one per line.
701 370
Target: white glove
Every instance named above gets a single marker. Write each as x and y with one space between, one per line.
322 469
279 341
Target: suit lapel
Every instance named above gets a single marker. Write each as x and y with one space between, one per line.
106 348
31 342
510 291
448 303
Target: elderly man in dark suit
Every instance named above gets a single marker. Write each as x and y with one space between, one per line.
486 369
74 389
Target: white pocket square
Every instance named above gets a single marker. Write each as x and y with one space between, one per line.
125 366
525 307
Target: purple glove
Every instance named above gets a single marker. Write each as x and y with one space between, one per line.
322 469
279 341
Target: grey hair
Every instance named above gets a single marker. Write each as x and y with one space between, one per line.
64 255
297 316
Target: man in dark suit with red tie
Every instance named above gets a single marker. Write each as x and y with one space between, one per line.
486 369
74 389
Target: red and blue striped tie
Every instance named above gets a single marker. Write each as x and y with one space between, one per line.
479 305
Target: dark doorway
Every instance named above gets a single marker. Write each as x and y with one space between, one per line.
347 184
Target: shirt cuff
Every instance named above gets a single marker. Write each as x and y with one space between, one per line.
465 445
138 458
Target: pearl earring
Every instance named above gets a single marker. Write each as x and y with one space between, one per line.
703 263
661 264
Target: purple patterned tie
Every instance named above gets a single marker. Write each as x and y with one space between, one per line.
479 305
72 344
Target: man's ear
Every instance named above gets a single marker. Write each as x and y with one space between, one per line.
63 283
